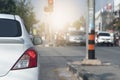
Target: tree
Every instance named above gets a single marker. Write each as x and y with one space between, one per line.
116 24
23 8
7 6
79 23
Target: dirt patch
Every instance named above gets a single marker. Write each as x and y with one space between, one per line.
64 74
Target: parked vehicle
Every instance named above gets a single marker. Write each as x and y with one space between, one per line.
104 38
18 57
76 37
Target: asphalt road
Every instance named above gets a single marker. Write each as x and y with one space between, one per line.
108 54
52 58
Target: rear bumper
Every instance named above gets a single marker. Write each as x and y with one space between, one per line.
105 41
23 74
75 41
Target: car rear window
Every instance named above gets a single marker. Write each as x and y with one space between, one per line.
104 34
76 33
9 28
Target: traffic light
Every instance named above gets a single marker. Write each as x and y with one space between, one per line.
50 2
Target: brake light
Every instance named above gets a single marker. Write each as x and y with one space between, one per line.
27 60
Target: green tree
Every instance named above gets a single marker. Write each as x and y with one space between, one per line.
25 10
79 23
7 6
117 25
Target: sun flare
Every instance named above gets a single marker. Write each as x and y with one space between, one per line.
61 16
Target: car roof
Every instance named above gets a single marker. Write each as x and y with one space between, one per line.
103 32
7 16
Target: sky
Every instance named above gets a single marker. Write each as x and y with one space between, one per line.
65 11
101 3
72 6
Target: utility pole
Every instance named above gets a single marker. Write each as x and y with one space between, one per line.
91 32
90 47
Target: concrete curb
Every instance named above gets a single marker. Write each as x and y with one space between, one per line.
87 76
105 71
82 74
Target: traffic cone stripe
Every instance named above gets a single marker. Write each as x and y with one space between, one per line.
91 47
91 36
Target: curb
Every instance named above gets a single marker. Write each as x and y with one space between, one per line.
81 74
86 76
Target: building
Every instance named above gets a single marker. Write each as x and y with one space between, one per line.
104 17
98 21
117 9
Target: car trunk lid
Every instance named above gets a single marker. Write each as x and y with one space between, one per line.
10 51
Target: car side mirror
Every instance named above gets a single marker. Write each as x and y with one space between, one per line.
37 41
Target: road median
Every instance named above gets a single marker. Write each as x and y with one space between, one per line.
94 72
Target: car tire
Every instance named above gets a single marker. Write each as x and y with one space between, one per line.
98 44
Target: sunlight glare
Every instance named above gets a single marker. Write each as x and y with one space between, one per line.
61 16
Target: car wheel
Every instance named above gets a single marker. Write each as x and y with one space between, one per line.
112 45
108 44
98 44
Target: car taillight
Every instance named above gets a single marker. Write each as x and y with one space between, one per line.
27 60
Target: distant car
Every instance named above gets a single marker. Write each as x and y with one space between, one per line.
18 57
76 37
104 38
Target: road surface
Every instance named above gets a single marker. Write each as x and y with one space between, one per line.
54 58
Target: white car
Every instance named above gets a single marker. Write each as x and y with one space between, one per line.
18 58
104 38
76 37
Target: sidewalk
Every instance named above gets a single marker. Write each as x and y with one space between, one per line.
102 72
